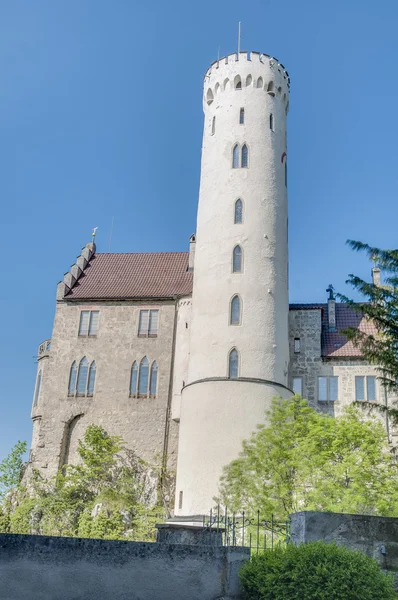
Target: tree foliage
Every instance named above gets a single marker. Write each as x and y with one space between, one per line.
305 460
315 571
380 305
11 468
110 494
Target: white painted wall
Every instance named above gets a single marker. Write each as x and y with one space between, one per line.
235 409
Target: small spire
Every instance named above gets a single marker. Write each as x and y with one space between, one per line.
94 233
330 291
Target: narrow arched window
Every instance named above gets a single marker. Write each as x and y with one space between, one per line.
235 157
91 379
209 96
233 363
217 88
235 311
143 378
72 379
226 82
213 126
270 88
245 156
260 82
133 380
238 83
82 377
153 380
271 122
37 390
241 116
238 217
237 260
249 80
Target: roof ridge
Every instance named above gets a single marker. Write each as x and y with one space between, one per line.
141 253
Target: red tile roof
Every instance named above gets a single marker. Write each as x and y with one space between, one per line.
143 275
335 344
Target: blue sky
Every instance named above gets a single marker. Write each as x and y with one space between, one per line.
100 117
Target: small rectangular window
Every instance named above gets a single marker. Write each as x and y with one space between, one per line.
180 498
328 389
88 322
149 323
241 116
297 345
365 388
297 385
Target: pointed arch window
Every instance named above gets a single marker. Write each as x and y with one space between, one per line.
238 83
235 157
237 260
82 377
72 379
143 378
270 88
213 126
249 80
209 96
245 156
260 82
133 380
235 313
233 364
37 390
241 116
238 216
153 380
91 379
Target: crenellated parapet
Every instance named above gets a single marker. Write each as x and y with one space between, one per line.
239 71
76 271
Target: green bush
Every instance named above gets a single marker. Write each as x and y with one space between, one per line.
315 571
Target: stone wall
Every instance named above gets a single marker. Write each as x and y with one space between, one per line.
59 420
51 568
375 536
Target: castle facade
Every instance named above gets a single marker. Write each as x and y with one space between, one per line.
181 353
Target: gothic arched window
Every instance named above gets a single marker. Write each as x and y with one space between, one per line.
233 364
270 88
260 82
91 379
245 156
37 390
143 378
133 380
82 377
238 214
237 260
238 83
249 80
235 157
154 380
235 313
72 379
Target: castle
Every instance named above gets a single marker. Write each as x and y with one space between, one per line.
181 353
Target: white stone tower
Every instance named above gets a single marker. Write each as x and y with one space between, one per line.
239 330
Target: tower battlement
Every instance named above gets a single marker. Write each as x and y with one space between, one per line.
242 70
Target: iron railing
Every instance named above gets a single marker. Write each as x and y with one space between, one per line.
244 528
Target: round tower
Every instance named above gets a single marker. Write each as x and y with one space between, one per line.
239 330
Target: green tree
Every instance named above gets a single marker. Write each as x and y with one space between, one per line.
109 494
11 468
315 571
305 460
380 305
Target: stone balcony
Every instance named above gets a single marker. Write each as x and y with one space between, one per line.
44 349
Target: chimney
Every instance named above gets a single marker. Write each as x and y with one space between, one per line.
192 246
331 309
376 276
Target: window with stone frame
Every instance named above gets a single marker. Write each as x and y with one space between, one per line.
82 378
297 385
37 390
88 325
148 323
297 345
328 389
365 388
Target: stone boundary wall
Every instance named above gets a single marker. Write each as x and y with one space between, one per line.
55 568
375 536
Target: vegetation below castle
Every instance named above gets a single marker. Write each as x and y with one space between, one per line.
305 460
110 494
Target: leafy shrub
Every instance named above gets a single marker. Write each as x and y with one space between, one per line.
315 571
